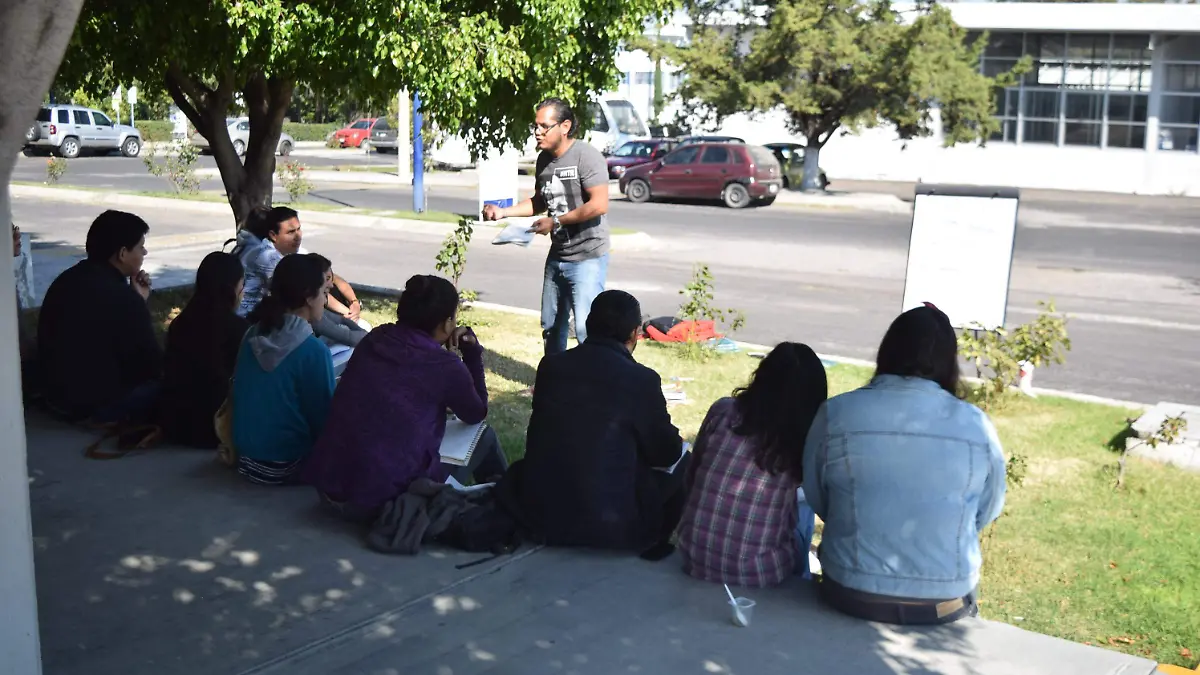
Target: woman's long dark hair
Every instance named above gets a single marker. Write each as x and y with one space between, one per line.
921 343
779 405
426 303
217 280
297 280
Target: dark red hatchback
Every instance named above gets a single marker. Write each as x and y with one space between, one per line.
634 153
735 173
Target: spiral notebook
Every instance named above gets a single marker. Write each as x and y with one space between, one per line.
460 441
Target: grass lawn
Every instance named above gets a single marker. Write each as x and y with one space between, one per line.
1071 557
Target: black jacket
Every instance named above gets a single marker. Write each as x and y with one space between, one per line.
96 342
599 425
202 349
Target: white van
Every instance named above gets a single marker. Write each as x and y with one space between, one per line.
614 122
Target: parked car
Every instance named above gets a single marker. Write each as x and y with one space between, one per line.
353 135
688 140
735 173
634 153
239 133
383 137
70 130
615 121
791 158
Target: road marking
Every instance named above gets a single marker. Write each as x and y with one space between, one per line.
1118 319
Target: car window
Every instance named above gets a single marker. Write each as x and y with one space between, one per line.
762 155
64 117
382 125
627 150
361 124
685 155
599 121
101 119
43 115
715 154
81 117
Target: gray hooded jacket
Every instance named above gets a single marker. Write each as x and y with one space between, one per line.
271 350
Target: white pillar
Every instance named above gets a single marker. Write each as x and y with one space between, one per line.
404 138
1154 101
33 37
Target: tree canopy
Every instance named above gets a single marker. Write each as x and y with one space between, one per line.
479 65
833 65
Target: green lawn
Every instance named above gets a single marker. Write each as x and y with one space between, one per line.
1071 557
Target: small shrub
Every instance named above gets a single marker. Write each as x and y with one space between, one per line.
179 167
1016 470
998 354
156 131
55 168
451 260
332 142
307 132
291 174
1168 432
698 306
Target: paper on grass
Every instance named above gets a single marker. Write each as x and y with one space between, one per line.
452 482
516 231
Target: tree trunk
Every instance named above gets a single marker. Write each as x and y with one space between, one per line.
249 183
812 169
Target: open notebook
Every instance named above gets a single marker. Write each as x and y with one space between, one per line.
460 441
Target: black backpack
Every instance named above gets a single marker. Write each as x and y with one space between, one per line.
485 527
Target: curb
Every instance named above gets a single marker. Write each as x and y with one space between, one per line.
638 241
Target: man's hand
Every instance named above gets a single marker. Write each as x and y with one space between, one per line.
141 284
542 225
463 335
355 311
492 212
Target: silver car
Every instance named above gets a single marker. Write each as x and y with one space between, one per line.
239 133
71 130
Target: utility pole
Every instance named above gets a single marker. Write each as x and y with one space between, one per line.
418 157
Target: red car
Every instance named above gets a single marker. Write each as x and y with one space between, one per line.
735 173
353 135
637 152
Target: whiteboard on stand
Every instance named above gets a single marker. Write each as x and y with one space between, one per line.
960 252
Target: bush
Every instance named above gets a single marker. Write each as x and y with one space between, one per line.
999 354
179 167
291 174
309 132
55 168
156 131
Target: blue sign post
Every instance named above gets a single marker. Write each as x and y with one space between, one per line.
418 158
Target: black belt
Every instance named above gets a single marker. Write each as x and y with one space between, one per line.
902 611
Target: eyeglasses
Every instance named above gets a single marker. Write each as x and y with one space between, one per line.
543 128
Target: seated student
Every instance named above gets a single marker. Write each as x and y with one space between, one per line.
905 476
99 358
283 381
391 405
739 526
202 348
599 429
340 324
281 226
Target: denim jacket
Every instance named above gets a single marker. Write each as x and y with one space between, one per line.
905 477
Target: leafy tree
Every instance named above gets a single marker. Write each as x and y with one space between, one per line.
479 65
838 65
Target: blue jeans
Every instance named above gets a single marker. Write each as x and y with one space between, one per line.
806 524
569 287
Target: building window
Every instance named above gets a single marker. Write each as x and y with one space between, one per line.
1179 120
1083 88
643 78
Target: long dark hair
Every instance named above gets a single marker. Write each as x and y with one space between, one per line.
778 406
297 279
921 343
217 280
427 302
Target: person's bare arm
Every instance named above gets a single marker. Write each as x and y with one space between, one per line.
354 309
594 206
533 205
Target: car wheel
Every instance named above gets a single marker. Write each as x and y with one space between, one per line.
69 148
33 133
132 147
365 146
824 182
239 147
736 196
285 149
638 191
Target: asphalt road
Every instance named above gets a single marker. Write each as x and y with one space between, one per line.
833 280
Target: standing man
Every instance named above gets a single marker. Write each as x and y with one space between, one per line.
572 189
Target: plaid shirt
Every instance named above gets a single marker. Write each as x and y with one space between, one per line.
740 521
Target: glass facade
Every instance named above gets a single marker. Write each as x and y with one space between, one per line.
1083 89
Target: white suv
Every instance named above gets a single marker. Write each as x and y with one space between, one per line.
71 130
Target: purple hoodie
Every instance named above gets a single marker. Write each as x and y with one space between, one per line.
388 416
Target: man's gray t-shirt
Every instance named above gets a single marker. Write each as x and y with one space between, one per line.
561 181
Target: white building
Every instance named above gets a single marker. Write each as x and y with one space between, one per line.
1111 104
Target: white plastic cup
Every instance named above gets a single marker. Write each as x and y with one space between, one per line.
742 611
